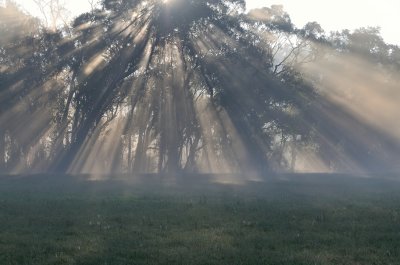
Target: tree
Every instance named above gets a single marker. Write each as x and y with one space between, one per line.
152 73
93 4
15 24
15 27
53 12
154 86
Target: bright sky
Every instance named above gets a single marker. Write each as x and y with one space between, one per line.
343 14
332 15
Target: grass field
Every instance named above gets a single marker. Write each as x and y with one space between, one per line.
292 219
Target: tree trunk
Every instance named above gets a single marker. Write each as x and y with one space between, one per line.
191 159
129 153
2 151
139 154
64 161
294 154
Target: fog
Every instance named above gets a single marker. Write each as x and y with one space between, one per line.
181 87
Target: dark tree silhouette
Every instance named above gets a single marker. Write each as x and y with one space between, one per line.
183 85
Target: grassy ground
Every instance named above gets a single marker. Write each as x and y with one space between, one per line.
304 219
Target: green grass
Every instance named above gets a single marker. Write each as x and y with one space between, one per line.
302 220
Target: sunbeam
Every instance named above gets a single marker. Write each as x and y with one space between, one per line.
195 132
195 86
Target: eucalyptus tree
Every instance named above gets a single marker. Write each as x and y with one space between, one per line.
356 77
53 13
15 26
153 86
173 78
169 86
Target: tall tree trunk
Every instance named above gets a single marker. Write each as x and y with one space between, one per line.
2 151
191 159
281 161
173 164
293 154
129 152
64 161
138 163
116 163
134 100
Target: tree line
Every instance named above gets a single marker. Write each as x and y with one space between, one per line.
191 86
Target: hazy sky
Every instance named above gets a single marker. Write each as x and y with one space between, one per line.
332 15
341 14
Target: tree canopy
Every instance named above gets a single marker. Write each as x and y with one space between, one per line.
185 85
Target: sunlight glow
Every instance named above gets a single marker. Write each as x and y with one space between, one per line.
374 13
352 82
144 100
342 14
